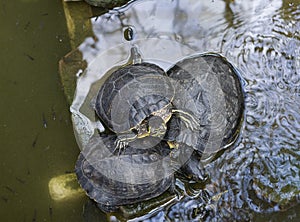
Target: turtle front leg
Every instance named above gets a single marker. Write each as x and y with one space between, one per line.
123 140
120 145
189 120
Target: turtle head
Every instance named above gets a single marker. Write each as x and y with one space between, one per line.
153 126
156 126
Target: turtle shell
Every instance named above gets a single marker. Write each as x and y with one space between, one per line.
214 85
131 94
135 175
106 3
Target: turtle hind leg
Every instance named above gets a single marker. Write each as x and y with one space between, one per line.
176 188
193 169
188 119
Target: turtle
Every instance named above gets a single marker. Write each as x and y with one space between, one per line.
137 100
215 87
133 176
106 3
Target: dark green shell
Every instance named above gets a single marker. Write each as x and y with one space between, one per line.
106 3
131 94
97 167
215 87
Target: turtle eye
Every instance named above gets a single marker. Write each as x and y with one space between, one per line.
148 128
135 131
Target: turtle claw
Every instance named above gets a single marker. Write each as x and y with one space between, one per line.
120 145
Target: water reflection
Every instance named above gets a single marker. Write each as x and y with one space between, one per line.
261 173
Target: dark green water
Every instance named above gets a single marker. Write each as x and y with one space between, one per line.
36 136
33 39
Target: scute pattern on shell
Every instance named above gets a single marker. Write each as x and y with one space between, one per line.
106 3
110 193
120 102
215 87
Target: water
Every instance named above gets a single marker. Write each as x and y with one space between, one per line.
260 37
36 137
